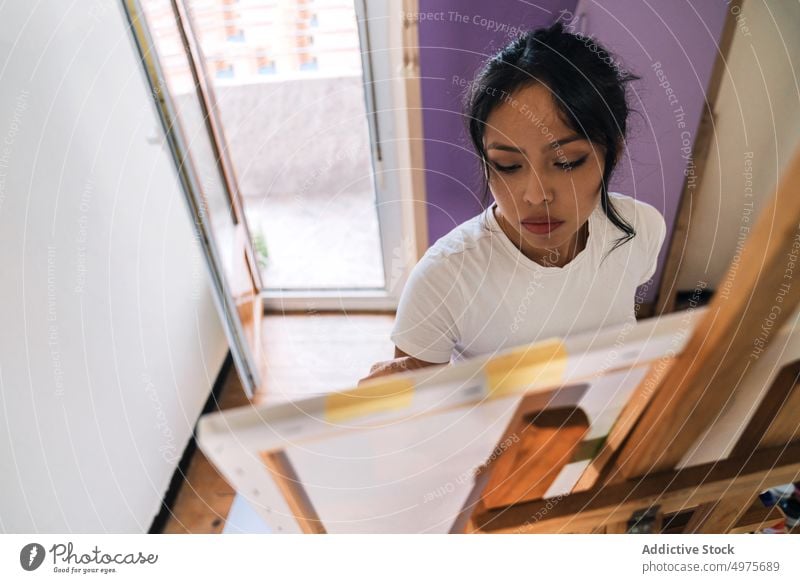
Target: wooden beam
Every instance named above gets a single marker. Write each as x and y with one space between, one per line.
720 516
785 428
624 424
757 517
665 301
734 331
672 491
282 472
775 422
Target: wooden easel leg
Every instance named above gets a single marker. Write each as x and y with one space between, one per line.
645 521
708 371
282 471
617 528
720 516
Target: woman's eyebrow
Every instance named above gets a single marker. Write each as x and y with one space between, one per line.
554 145
504 147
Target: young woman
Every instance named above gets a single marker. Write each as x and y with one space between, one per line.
556 253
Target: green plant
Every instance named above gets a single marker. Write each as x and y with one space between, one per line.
260 245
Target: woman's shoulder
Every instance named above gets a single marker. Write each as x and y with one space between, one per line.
458 255
650 228
466 237
646 219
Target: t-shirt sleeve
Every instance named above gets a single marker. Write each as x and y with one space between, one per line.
656 232
425 326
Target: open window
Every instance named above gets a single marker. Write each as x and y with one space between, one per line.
292 132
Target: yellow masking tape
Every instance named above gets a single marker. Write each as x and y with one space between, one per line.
388 395
542 363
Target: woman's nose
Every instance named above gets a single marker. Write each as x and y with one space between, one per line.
537 190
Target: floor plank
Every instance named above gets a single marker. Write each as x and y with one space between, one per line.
321 352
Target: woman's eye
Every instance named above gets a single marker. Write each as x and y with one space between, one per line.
507 169
571 165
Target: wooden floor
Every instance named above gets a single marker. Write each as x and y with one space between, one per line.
303 355
319 353
205 498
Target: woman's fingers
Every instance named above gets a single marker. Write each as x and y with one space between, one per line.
383 368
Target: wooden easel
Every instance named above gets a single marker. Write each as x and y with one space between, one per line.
678 458
633 484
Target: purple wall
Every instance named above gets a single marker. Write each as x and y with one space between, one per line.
682 36
456 37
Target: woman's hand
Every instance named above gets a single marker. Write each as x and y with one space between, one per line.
401 363
388 367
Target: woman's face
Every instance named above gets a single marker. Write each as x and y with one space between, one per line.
545 178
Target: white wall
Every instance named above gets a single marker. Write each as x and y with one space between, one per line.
110 341
757 130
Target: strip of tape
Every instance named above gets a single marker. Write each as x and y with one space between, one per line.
588 449
377 397
543 363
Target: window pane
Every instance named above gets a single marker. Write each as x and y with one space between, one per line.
289 86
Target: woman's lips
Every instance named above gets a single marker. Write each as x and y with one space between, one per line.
542 228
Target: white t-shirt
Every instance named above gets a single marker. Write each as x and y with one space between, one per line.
474 292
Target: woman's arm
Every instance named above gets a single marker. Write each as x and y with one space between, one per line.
400 363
